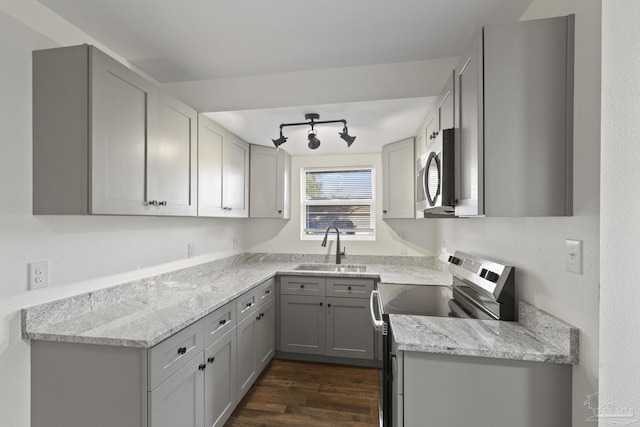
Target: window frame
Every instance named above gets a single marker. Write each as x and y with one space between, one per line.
341 202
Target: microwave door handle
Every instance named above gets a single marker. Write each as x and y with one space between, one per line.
377 324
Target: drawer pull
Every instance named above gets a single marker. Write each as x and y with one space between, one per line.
349 288
320 304
211 359
329 305
249 304
258 318
261 315
202 367
301 286
182 350
268 291
223 321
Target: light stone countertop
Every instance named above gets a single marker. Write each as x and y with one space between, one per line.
144 312
489 338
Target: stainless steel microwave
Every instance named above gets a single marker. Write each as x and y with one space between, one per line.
435 179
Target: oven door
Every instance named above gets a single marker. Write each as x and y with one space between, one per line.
385 373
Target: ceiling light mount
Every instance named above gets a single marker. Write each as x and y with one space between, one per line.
313 120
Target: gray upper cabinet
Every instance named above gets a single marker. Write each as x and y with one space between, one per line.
223 171
445 105
101 134
270 183
398 186
172 164
514 120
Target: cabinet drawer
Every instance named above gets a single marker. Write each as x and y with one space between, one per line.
301 285
216 324
349 288
246 304
265 291
167 357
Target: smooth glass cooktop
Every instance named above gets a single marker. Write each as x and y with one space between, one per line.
421 300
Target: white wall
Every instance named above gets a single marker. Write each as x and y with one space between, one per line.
394 237
620 205
535 245
79 249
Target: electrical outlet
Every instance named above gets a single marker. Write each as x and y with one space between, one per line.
38 274
573 256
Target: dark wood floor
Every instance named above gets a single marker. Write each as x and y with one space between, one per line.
290 393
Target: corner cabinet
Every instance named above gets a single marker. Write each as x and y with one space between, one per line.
326 316
270 183
514 120
194 378
223 172
398 180
100 137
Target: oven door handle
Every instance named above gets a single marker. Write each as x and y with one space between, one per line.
378 324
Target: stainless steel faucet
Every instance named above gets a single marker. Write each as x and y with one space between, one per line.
324 243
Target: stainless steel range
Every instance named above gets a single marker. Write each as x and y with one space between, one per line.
481 289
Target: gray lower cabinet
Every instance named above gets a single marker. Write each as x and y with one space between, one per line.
348 328
220 397
195 377
302 324
255 334
326 316
266 334
179 401
451 390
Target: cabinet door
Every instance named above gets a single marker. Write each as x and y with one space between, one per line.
269 182
247 367
220 380
172 160
265 333
235 181
179 400
398 180
302 324
445 105
210 142
469 136
123 109
349 328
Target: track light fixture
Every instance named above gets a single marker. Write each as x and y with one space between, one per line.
314 142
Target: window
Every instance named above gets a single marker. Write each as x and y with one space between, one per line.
340 197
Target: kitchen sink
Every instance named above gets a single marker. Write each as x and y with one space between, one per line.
332 268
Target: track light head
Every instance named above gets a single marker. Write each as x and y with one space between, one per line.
314 142
278 142
348 138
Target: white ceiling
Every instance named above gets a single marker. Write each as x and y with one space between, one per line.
372 123
186 40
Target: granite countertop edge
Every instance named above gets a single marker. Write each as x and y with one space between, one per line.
96 317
